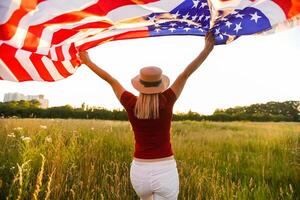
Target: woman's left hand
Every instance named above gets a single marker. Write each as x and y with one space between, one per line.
84 57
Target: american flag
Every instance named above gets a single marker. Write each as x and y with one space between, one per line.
40 39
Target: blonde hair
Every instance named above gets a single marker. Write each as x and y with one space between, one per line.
147 106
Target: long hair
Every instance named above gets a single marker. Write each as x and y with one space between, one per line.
147 106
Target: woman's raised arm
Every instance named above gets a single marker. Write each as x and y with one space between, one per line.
114 83
180 81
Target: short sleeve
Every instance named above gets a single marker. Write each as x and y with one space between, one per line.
170 95
127 100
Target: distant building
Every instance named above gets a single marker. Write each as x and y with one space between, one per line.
18 97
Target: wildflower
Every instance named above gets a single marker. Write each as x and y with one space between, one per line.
43 127
11 135
18 129
26 139
48 139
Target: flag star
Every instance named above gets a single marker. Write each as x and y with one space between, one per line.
223 19
187 29
173 24
156 25
194 17
217 31
238 27
221 36
152 18
203 5
190 23
234 12
198 26
185 17
228 24
157 30
172 29
201 16
176 15
255 17
200 29
239 16
195 3
207 17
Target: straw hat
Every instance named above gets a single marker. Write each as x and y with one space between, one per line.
150 81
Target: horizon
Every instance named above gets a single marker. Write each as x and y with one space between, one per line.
175 112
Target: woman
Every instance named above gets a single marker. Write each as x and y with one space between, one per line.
153 171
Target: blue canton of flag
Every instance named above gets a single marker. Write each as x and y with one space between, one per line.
193 17
240 22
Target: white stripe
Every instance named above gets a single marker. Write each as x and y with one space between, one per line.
53 53
65 51
5 73
7 8
69 67
51 68
132 11
45 11
108 33
47 34
24 58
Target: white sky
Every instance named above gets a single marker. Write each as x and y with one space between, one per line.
253 69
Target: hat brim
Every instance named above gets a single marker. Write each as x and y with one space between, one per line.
165 81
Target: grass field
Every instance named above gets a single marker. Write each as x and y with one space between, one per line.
90 159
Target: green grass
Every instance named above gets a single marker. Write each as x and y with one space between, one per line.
90 159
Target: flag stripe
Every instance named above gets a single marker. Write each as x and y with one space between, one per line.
61 69
8 9
6 73
40 67
24 58
13 64
9 28
51 68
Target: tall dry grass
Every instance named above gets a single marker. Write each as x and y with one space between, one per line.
90 159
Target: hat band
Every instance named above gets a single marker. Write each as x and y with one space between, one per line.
150 84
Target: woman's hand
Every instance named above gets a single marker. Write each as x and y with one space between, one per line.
84 57
209 41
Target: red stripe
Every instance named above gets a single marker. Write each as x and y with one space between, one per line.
59 53
63 34
75 62
10 27
13 64
36 60
128 35
99 9
108 5
61 69
1 78
73 51
295 10
285 5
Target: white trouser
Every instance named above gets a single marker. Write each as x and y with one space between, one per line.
155 180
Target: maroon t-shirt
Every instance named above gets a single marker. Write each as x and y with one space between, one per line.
152 136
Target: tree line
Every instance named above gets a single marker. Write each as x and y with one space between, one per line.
272 111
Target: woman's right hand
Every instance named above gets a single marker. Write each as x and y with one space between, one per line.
84 57
209 41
